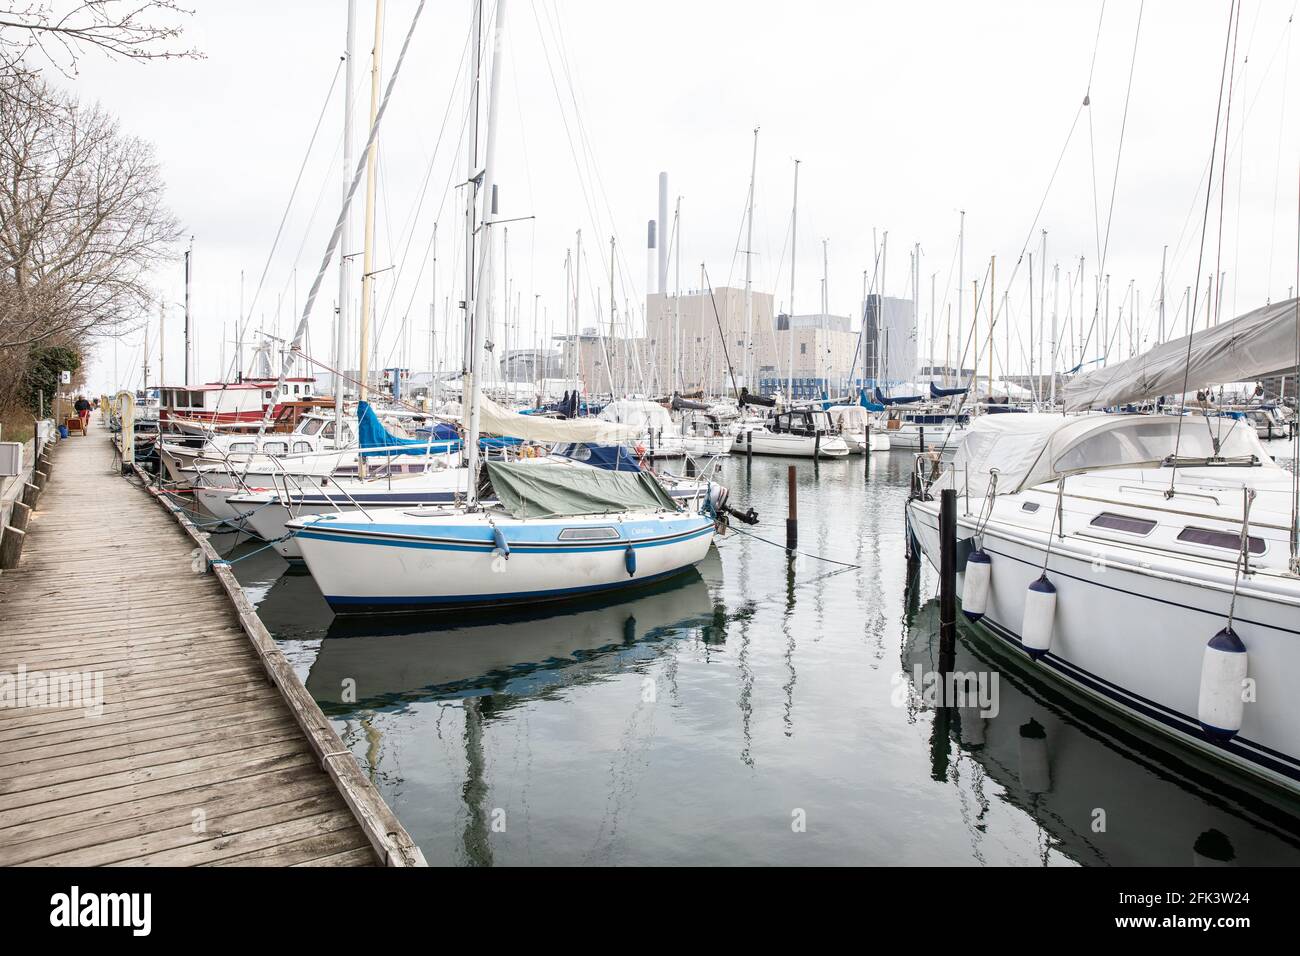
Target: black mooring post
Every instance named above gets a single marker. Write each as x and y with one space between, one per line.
817 445
866 452
947 567
792 518
921 438
749 446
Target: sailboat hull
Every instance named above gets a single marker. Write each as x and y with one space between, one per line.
431 561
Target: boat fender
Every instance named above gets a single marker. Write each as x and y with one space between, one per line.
629 561
1040 611
1223 669
502 547
975 589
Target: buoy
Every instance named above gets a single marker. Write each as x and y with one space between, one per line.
499 539
629 561
975 589
1040 612
1223 669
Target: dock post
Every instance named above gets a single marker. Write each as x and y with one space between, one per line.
749 446
947 567
792 519
921 438
817 445
866 452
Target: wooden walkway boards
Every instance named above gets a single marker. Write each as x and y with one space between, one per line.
198 757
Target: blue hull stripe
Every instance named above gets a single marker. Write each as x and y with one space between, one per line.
486 547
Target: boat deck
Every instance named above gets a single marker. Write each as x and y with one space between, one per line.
207 750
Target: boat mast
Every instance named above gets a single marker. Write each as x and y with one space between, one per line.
676 384
961 280
188 360
345 292
1051 352
474 386
789 324
372 163
749 291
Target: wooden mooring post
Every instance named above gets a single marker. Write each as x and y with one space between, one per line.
792 518
947 568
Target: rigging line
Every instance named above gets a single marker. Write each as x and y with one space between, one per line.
424 186
289 205
1223 172
1103 251
718 320
1277 172
1295 440
1205 219
295 345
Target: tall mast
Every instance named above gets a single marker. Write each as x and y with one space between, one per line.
961 265
188 359
433 320
372 164
1051 352
474 387
577 307
472 184
749 292
345 243
1163 255
789 324
826 368
676 384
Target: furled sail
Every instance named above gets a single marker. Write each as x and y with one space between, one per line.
1258 344
937 392
496 420
903 400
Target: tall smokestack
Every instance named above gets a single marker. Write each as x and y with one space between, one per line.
663 233
651 262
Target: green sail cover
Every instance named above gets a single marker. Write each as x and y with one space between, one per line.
549 491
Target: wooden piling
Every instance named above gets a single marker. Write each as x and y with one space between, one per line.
792 518
947 566
866 452
749 445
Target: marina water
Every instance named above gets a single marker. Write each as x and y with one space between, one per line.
756 711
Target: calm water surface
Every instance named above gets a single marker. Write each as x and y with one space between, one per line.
752 712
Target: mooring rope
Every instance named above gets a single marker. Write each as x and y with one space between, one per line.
806 554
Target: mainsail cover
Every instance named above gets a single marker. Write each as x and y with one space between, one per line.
538 491
496 420
1255 345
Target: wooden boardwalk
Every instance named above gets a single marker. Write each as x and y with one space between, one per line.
198 756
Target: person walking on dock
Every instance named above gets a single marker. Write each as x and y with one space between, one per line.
83 412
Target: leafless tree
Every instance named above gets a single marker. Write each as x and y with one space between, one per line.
82 220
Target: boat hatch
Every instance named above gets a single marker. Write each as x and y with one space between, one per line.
1126 523
1220 539
588 534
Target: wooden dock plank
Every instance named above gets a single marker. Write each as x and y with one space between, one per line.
200 711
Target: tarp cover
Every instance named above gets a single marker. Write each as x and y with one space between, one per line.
609 457
903 400
1256 345
643 417
937 392
527 491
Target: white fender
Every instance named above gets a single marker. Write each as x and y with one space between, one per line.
1040 614
1223 669
975 589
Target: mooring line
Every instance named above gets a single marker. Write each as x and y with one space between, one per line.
806 554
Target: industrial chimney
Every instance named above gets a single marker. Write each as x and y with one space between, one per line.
651 261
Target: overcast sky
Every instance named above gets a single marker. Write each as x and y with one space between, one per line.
901 115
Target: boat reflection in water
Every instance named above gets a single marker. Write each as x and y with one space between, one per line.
1104 792
370 664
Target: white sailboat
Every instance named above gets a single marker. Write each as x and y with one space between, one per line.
1148 561
553 533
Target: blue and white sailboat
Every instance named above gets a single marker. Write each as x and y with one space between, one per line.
549 534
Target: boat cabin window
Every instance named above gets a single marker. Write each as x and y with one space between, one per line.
1114 522
312 425
268 395
242 446
588 534
302 448
1220 539
329 430
275 448
1030 506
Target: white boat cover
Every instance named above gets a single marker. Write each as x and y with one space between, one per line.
1256 345
1029 449
496 420
850 417
642 416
